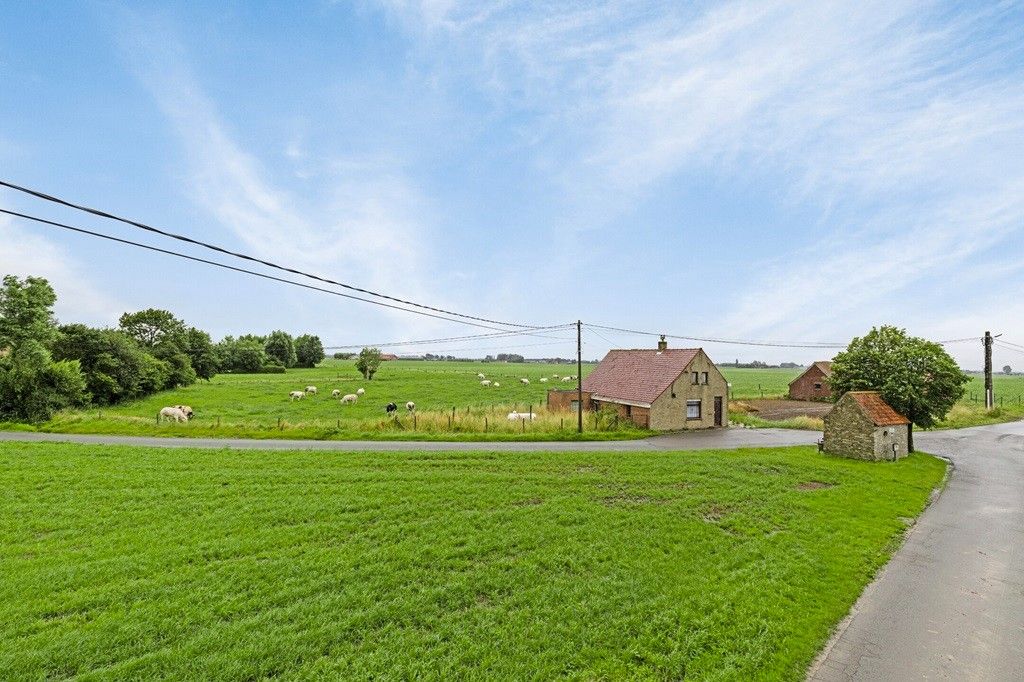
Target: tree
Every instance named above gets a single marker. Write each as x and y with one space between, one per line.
26 311
308 350
280 347
240 355
33 386
114 365
368 362
198 346
915 376
152 327
1007 370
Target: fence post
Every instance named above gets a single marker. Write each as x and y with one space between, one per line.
413 421
523 422
279 427
218 422
485 424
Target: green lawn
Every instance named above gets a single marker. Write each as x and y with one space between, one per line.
759 383
140 563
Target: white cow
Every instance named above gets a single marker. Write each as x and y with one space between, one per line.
297 395
543 380
497 385
349 398
567 379
525 381
480 375
411 406
335 393
485 383
311 390
360 391
513 416
169 413
186 410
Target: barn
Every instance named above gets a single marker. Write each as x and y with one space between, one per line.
662 389
862 425
813 383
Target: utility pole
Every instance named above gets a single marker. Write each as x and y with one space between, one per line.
579 376
989 398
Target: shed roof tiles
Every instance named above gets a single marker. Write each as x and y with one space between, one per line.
876 409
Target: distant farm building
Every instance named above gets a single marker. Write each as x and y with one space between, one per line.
661 389
813 383
863 426
388 356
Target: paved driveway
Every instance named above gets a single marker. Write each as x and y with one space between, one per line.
699 440
950 605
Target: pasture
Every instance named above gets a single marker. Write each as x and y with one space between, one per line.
136 563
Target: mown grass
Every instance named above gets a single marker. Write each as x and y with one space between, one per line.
222 564
759 383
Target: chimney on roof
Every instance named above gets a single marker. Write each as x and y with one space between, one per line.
662 344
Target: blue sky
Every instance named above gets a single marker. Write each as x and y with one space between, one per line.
786 171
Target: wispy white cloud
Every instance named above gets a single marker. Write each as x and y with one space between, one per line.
356 220
899 122
79 299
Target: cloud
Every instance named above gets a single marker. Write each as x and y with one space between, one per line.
78 299
897 123
358 220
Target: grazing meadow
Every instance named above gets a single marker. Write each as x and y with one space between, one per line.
143 563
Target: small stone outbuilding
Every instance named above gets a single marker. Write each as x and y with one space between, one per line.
813 383
863 426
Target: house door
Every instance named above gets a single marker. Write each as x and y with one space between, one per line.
718 410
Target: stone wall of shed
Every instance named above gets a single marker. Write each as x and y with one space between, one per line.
848 432
885 436
669 414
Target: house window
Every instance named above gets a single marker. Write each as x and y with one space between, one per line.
693 409
629 410
817 387
575 405
704 378
696 378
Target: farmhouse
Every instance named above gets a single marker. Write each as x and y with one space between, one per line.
661 389
863 426
813 383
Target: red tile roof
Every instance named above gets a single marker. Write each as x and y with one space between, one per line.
638 375
825 366
876 409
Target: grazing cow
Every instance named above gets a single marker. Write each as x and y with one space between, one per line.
543 380
524 381
186 410
411 406
349 398
169 413
360 391
335 393
480 375
311 390
513 416
485 383
497 385
390 408
567 378
297 395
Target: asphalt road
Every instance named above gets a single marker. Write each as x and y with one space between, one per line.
698 440
950 605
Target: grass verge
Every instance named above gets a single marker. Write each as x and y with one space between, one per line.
126 562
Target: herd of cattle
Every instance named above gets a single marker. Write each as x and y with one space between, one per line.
485 382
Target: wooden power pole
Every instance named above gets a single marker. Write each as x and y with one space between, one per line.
580 376
990 400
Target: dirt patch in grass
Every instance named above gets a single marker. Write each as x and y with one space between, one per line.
779 410
815 485
714 513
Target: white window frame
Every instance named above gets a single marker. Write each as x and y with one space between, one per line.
697 404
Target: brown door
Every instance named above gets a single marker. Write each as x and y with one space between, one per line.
718 410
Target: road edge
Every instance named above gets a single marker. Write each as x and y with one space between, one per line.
842 625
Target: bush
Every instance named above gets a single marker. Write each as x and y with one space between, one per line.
33 386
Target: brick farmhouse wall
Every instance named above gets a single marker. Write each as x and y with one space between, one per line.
803 388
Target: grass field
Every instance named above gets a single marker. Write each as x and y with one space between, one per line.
257 405
142 563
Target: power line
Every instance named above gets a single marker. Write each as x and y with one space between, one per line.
244 270
1008 343
447 339
236 254
737 342
1009 348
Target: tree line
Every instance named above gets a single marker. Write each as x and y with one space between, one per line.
46 366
